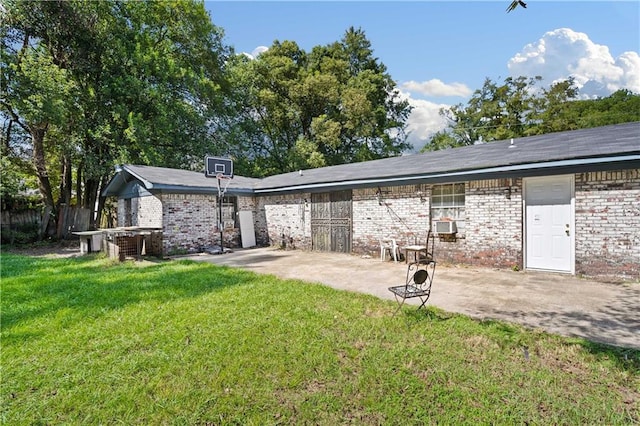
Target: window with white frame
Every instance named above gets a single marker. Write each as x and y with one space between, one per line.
447 203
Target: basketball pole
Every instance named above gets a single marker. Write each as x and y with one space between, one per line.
222 169
220 225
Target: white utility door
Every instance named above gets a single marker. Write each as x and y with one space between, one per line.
247 232
549 223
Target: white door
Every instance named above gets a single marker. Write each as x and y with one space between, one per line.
247 232
549 223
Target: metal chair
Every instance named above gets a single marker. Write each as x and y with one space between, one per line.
417 284
389 245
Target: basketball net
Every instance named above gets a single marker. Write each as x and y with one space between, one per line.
223 183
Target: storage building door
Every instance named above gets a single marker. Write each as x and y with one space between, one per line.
331 221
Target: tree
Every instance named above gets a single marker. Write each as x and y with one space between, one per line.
301 110
621 106
517 108
493 113
37 93
96 83
441 140
552 110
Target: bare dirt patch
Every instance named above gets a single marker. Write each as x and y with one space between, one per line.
65 248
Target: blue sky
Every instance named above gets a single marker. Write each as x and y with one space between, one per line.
440 52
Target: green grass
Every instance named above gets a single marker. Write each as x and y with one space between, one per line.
89 341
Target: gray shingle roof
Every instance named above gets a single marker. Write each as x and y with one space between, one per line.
601 143
163 177
175 180
587 149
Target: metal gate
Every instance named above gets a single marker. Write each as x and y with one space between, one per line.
331 221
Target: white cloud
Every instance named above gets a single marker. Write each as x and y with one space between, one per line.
435 87
257 51
424 121
563 52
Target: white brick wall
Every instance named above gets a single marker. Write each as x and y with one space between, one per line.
608 223
145 212
287 220
399 212
255 205
191 223
252 204
122 216
149 212
493 234
493 221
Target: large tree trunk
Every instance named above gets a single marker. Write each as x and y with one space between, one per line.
79 178
37 138
64 202
66 182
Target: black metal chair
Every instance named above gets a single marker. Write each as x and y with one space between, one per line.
417 284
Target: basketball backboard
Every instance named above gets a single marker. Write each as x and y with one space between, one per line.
218 166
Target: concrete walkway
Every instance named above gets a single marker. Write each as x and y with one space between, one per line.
557 303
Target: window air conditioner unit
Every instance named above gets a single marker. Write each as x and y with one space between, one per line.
446 227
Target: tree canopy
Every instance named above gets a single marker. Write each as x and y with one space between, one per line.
298 110
96 83
519 108
88 85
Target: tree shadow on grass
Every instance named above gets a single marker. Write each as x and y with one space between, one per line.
429 313
89 287
521 335
625 359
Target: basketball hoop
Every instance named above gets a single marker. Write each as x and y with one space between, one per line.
223 183
222 170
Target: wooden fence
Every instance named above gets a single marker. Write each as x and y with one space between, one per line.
32 225
73 219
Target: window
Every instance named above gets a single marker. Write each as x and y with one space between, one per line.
229 207
447 202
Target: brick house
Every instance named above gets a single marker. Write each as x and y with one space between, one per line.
564 202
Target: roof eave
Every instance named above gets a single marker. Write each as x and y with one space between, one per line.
147 184
115 184
120 179
181 189
511 171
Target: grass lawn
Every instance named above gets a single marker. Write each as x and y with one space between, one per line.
89 341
